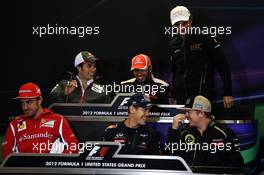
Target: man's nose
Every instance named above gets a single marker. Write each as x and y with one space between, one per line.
139 74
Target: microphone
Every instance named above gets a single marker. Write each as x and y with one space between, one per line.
71 77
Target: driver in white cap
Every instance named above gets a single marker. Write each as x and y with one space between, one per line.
206 143
194 57
81 88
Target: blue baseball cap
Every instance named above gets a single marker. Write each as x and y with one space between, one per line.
140 100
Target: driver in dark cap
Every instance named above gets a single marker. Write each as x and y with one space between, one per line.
133 134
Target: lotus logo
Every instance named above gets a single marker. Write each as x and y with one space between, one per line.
120 134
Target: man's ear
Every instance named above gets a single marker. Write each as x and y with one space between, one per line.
79 68
150 69
132 109
40 100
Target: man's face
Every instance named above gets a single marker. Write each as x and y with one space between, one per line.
30 107
141 75
141 115
193 117
87 70
183 26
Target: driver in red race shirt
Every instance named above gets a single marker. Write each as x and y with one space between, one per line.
39 130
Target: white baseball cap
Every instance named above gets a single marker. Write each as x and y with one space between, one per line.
84 56
200 103
179 13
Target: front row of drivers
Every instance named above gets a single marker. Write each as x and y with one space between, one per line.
195 135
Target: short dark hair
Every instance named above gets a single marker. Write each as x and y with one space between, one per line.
207 114
81 64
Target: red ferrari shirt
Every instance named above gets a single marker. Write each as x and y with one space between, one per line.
48 133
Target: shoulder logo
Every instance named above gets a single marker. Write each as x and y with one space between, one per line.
119 135
97 88
47 123
21 126
189 139
111 127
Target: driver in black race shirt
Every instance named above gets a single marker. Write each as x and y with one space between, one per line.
133 134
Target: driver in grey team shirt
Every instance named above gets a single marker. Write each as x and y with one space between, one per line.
83 87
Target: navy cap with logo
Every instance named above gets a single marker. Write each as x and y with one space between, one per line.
140 100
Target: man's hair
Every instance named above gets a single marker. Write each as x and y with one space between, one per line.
81 64
76 70
190 19
207 114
